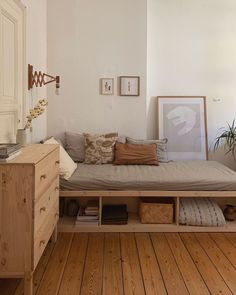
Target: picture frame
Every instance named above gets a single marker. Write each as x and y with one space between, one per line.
129 86
107 86
182 120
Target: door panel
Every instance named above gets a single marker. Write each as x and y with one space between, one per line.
12 71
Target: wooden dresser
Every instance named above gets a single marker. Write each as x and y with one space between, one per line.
29 210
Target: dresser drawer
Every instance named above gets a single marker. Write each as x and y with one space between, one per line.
42 236
43 206
45 172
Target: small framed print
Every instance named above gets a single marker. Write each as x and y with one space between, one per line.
107 86
129 86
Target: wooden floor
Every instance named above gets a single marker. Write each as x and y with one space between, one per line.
134 264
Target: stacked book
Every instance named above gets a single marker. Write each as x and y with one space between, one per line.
114 214
9 151
88 215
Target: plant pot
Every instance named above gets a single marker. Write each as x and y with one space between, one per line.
23 136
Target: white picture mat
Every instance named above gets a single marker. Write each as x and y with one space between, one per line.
182 121
129 85
107 86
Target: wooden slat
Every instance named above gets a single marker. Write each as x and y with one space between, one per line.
192 277
225 268
112 271
8 286
152 277
72 277
38 274
53 274
225 246
93 270
212 278
136 193
132 276
172 277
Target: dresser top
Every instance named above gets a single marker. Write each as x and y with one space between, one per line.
32 154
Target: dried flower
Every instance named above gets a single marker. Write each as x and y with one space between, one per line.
35 112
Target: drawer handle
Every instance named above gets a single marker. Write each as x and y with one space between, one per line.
57 162
43 209
44 176
57 188
43 242
56 215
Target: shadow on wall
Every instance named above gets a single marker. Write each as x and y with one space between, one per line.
220 156
152 123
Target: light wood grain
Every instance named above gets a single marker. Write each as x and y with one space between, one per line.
33 154
226 246
231 237
112 269
132 276
73 274
52 276
93 271
152 277
172 277
207 269
191 276
225 268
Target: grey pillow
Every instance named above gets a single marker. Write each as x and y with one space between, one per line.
75 146
161 147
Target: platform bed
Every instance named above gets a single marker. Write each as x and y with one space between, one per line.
134 225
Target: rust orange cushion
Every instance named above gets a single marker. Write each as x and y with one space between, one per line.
135 154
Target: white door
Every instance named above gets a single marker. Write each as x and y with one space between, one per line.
12 68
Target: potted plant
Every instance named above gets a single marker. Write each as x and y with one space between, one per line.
228 138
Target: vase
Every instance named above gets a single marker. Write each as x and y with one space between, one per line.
23 136
230 212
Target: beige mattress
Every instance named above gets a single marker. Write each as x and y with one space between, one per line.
182 175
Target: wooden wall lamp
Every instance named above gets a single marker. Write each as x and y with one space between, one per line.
38 78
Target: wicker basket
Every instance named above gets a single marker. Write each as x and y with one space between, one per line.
156 210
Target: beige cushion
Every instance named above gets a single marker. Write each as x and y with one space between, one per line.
135 154
99 149
160 143
67 165
75 146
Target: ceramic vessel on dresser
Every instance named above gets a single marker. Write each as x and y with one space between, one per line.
29 211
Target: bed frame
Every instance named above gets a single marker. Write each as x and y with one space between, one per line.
134 225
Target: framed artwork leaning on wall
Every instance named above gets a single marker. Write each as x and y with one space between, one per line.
182 120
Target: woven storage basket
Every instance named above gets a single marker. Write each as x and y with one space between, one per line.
156 210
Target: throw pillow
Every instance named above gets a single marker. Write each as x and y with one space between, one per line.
161 145
135 154
67 165
99 149
75 146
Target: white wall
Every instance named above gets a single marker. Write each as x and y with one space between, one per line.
88 40
36 54
192 51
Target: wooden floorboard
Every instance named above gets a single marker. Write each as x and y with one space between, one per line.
93 269
223 265
137 264
206 268
152 276
73 273
190 274
53 274
132 276
112 270
172 277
